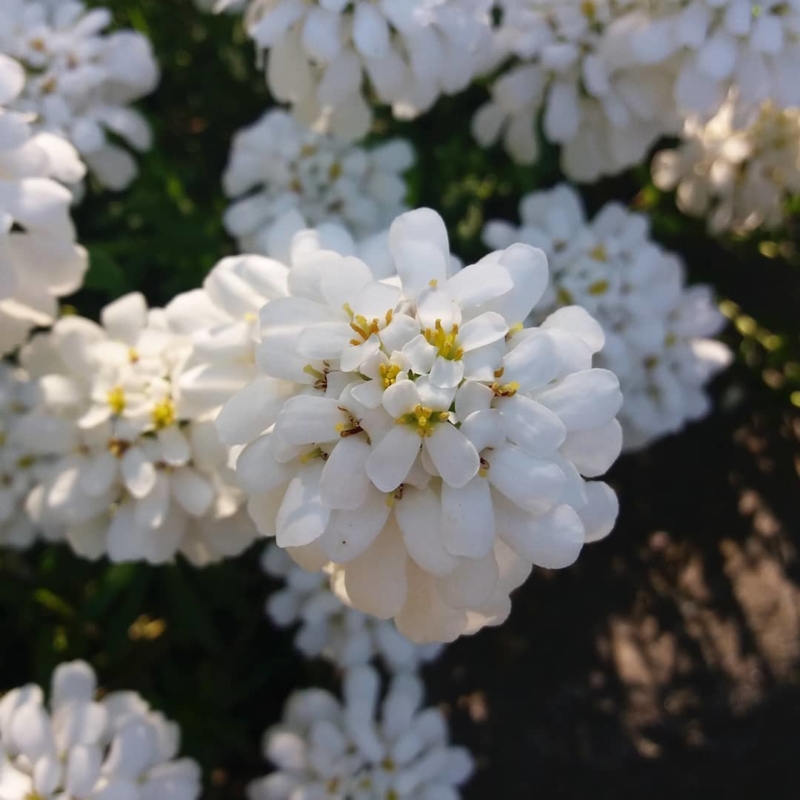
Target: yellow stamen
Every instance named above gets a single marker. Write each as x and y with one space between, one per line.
422 419
446 343
389 373
598 288
116 399
133 355
335 171
306 457
670 340
599 253
505 389
433 283
118 447
163 414
564 297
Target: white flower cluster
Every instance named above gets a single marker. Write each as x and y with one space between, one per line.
39 258
577 63
20 469
656 328
409 430
738 178
128 470
752 46
330 628
325 55
325 748
80 82
86 749
278 165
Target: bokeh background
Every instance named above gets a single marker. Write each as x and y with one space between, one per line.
665 663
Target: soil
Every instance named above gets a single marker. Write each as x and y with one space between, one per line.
666 662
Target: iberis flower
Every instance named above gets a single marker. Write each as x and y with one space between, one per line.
325 56
324 748
574 62
80 81
414 433
656 328
83 748
277 165
20 469
750 46
737 177
39 258
330 628
134 474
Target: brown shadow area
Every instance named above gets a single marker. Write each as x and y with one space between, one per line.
666 662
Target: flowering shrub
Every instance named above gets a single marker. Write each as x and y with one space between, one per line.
380 327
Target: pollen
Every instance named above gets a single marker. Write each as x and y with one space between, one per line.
163 414
116 400
505 389
564 296
423 419
389 373
133 355
446 343
599 253
366 328
118 447
588 9
598 288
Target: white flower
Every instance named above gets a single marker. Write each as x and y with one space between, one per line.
277 165
81 748
350 750
737 177
332 629
748 45
575 63
656 328
39 259
80 82
19 468
323 55
134 474
410 429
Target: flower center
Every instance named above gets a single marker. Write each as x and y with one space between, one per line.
116 400
163 414
446 343
389 373
423 419
365 328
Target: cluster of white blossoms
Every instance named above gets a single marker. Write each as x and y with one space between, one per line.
129 471
20 469
39 258
80 748
332 629
738 178
575 63
324 748
79 82
409 430
656 328
752 46
277 165
325 56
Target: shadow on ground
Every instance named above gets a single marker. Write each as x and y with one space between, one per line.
667 661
